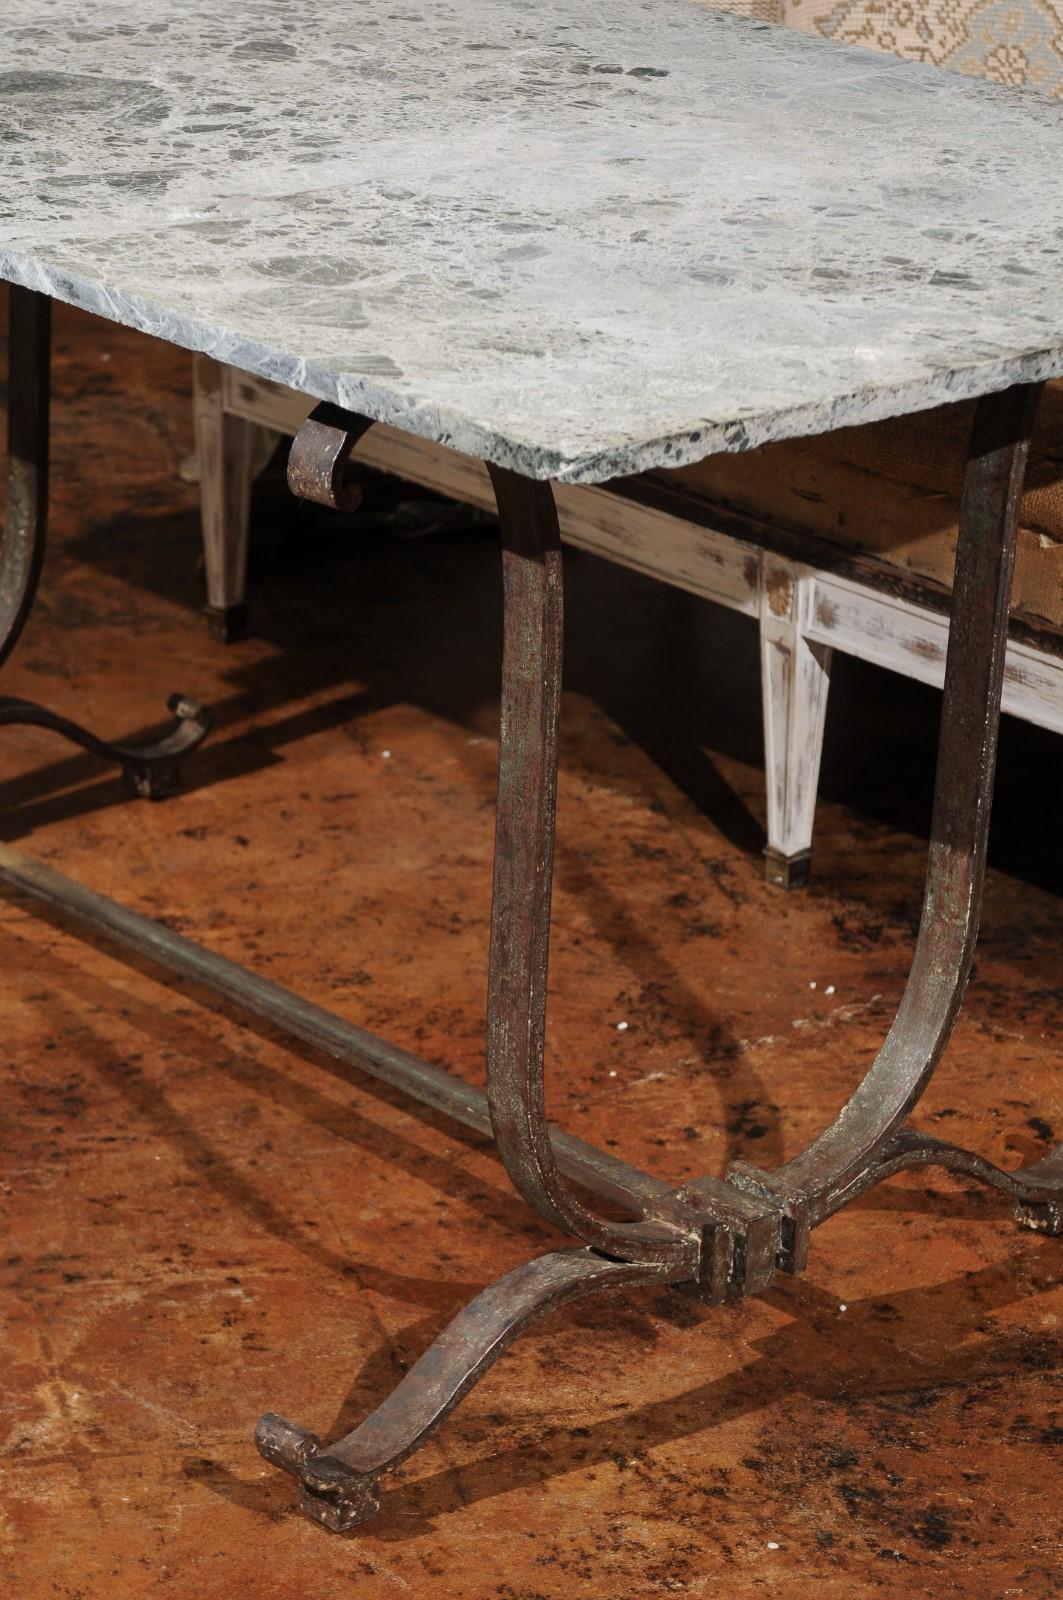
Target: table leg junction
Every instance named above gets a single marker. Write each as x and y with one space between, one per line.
722 1237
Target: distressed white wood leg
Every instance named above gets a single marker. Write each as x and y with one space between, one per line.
795 679
225 448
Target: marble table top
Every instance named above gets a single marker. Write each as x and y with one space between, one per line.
576 237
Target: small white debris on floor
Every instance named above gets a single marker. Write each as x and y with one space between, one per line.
612 1073
812 985
773 1544
385 755
843 1307
829 989
621 1027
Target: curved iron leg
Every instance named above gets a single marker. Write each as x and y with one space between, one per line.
523 871
855 1149
718 1237
22 547
153 769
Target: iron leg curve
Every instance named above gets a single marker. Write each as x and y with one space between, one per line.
868 1140
1037 1190
151 769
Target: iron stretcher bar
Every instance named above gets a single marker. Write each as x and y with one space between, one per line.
602 1174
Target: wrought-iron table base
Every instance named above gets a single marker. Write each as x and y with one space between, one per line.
721 1237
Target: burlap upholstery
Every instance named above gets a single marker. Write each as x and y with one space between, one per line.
762 10
1017 42
892 489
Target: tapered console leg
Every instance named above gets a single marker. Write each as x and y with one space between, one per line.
795 682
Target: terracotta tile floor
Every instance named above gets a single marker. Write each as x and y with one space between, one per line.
203 1223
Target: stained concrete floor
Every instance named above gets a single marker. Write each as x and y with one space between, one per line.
203 1222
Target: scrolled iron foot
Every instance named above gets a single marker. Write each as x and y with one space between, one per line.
1037 1190
227 624
340 1484
1043 1213
1046 1217
152 771
330 1493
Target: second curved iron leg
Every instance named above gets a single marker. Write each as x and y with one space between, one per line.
812 1184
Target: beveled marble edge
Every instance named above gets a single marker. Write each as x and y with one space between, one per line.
682 447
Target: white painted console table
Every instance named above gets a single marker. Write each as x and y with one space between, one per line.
603 239
807 599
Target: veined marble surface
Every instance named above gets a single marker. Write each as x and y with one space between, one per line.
577 237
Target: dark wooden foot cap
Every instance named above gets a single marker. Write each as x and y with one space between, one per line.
787 872
227 624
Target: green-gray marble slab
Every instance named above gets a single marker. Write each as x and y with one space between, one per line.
579 238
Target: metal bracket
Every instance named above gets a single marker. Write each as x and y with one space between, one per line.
317 461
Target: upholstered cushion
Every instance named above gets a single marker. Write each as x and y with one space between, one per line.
1017 42
762 10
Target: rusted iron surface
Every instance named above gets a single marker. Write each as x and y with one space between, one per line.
960 826
722 1252
340 1486
319 455
29 394
722 1239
